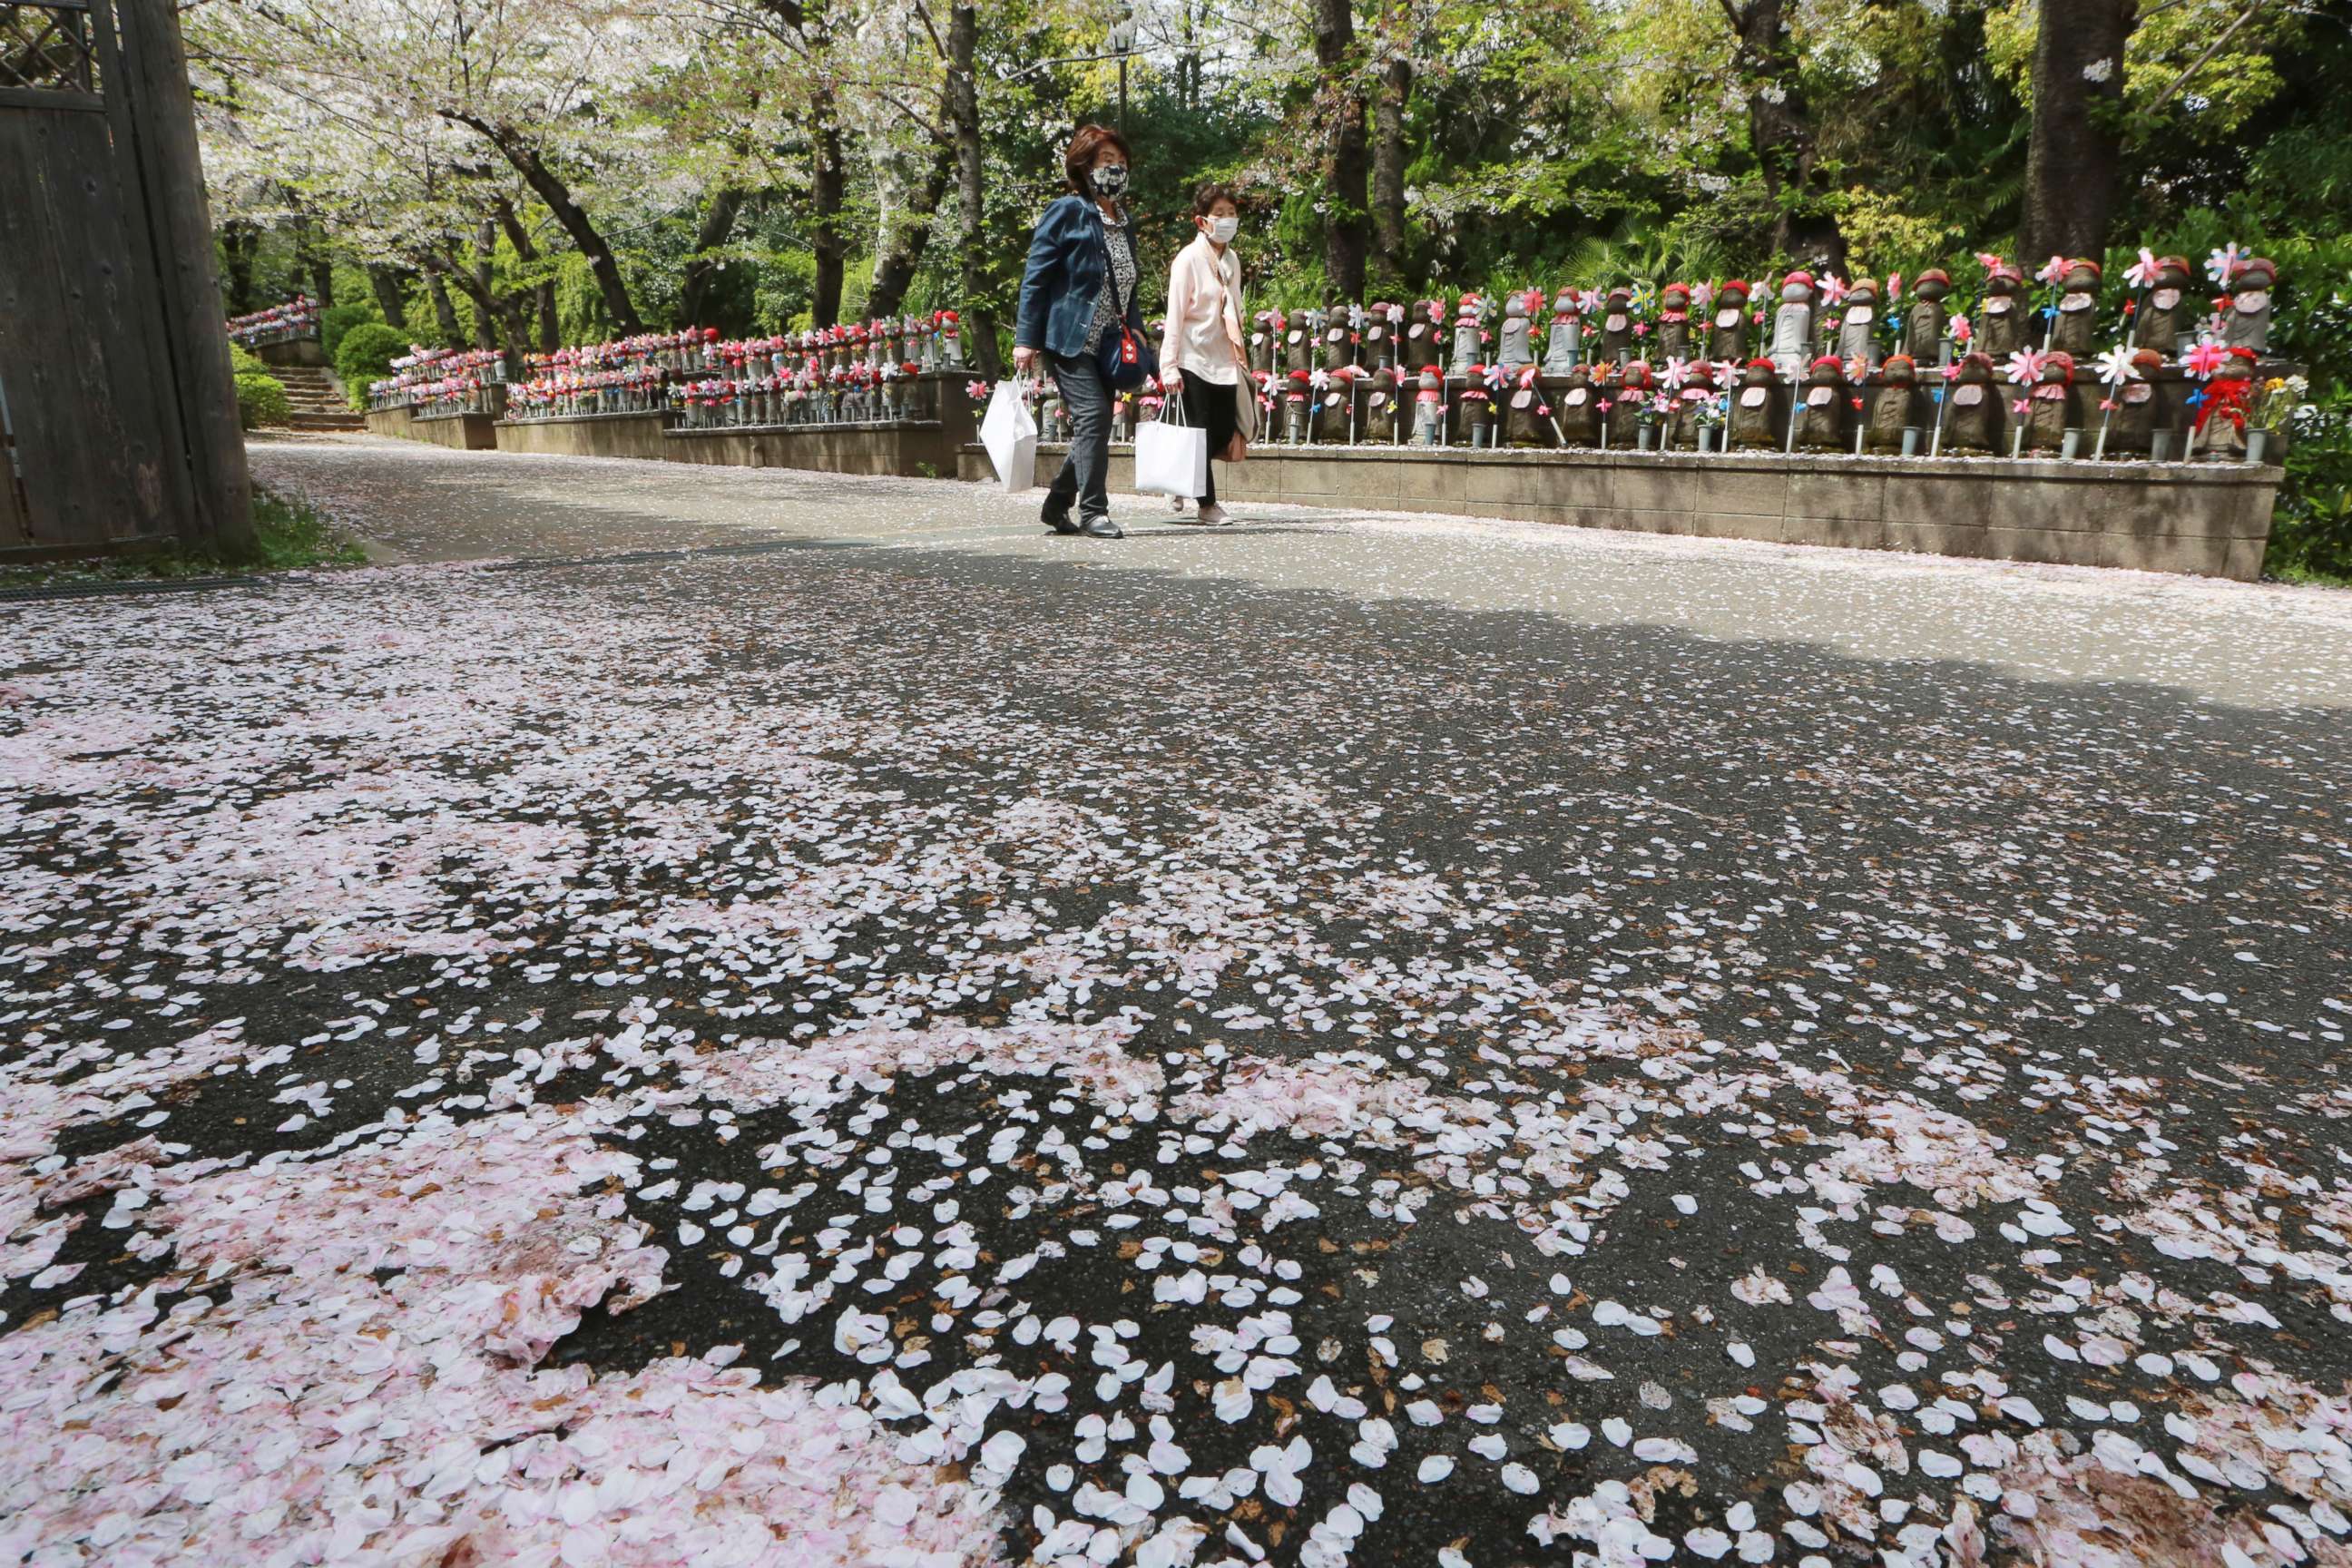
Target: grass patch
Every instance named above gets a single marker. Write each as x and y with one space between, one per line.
2306 576
289 535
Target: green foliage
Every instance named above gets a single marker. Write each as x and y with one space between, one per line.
338 319
365 356
261 400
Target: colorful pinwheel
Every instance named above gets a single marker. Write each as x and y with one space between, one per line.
2222 265
2054 271
2025 366
2115 367
2205 358
2142 274
1676 373
1832 289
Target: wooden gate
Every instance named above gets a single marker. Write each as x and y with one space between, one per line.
120 407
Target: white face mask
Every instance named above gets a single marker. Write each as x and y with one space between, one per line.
1223 230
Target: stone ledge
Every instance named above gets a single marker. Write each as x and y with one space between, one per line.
2209 519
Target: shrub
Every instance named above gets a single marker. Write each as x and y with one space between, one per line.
334 323
261 400
366 354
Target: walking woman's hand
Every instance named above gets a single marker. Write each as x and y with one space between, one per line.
1025 360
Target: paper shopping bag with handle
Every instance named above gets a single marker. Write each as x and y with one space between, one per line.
1010 434
1171 458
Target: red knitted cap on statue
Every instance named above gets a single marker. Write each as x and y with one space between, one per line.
1829 362
1731 284
2096 270
1800 276
1933 275
1906 361
1761 364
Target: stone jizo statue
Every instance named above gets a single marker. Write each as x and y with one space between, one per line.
1726 334
1514 348
2002 326
1756 406
1925 322
2248 322
1887 411
1792 325
1564 343
2078 309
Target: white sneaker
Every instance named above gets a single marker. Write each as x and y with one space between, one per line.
1214 516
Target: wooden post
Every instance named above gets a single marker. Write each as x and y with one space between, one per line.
161 117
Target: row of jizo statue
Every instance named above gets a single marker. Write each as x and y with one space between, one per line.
1892 409
1811 318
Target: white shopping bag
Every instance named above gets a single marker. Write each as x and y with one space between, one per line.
1010 434
1171 458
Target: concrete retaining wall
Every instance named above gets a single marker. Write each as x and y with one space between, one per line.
467 432
2208 518
909 449
293 351
587 435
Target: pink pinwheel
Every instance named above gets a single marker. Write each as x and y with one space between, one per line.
1701 295
2025 366
2115 367
1893 287
1832 289
1960 330
1496 377
2142 274
2054 271
1320 381
1726 374
1587 301
976 390
1676 373
2222 265
2205 358
1987 261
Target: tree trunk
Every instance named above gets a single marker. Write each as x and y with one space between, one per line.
963 122
239 240
2070 167
542 291
1387 147
550 188
311 266
828 190
445 314
486 315
1780 135
384 282
894 269
1341 99
718 223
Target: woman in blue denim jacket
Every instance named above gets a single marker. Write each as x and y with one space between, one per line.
1067 303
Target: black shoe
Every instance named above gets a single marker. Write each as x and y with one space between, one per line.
1104 528
1057 516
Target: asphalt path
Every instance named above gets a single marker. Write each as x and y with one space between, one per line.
721 1015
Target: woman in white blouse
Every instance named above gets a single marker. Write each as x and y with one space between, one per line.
1203 340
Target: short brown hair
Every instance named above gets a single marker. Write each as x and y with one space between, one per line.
1081 158
1209 194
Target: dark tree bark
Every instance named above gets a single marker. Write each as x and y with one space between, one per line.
1781 133
550 188
1388 144
542 292
828 191
311 265
445 314
1340 98
963 122
894 269
239 241
486 313
718 223
384 283
2072 165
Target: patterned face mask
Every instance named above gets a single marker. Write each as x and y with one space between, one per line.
1110 180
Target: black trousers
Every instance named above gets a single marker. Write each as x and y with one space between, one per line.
1211 407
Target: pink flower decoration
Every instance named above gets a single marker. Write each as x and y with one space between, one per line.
2142 274
2205 358
2053 270
1832 289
